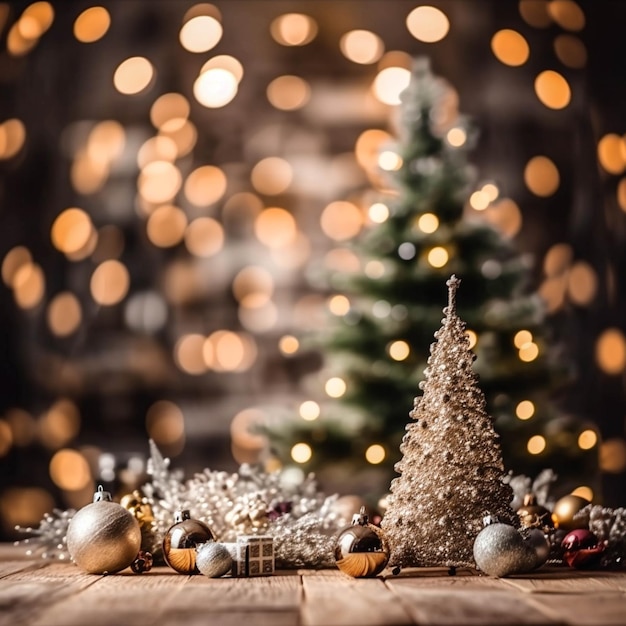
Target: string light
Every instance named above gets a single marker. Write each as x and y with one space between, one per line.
525 410
301 453
309 410
375 454
335 387
536 444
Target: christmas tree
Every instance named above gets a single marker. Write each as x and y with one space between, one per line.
422 228
451 470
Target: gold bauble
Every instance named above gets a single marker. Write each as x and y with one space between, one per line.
533 515
182 539
103 537
564 511
139 506
361 549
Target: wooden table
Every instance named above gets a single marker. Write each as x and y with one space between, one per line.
43 593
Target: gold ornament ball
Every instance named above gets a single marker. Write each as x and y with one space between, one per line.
181 541
533 515
103 538
361 549
565 509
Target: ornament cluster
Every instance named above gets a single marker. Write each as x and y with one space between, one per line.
451 474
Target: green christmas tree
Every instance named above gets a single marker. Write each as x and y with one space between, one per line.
451 471
380 346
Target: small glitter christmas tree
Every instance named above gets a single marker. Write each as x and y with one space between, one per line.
451 470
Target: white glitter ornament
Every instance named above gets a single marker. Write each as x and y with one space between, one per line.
500 550
103 537
213 560
451 470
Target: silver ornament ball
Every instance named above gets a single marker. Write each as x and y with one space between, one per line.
213 560
500 550
103 537
540 543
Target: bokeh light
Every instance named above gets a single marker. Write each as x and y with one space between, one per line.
528 352
335 387
230 351
12 138
375 454
612 153
64 314
169 111
17 257
92 24
271 176
215 87
165 423
301 453
541 176
613 455
525 410
288 92
552 90
571 51
159 182
567 14
389 83
611 351
189 355
510 48
110 282
275 227
582 283
166 226
341 220
200 34
535 12
438 256
133 75
293 29
428 24
536 444
288 345
71 230
587 439
309 410
399 350
361 46
204 237
69 470
29 286
224 62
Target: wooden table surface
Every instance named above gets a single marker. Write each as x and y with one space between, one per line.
44 593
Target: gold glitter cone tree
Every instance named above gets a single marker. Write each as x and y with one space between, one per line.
451 469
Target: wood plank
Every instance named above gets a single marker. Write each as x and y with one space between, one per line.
28 593
564 581
123 598
333 599
480 602
277 592
588 609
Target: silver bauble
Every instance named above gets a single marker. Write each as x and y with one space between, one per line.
103 537
500 550
213 560
540 543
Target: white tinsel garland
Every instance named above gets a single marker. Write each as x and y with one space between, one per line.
301 519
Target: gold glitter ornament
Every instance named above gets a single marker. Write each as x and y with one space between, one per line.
181 541
451 470
566 508
103 537
139 507
533 515
361 549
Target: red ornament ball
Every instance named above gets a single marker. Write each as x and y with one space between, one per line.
581 549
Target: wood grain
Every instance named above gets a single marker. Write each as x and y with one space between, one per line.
457 602
333 599
42 593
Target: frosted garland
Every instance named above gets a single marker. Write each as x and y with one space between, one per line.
300 518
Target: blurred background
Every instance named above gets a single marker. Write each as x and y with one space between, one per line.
179 183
